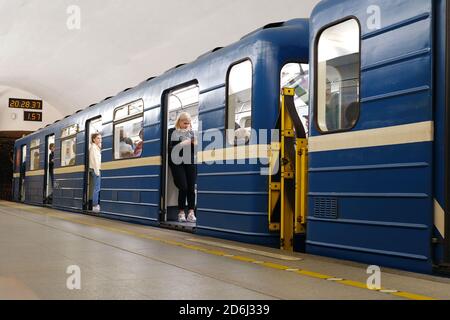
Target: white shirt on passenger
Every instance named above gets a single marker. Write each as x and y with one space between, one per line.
125 149
95 158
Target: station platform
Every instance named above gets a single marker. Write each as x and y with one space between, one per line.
125 261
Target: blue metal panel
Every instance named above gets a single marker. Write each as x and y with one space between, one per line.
34 190
68 191
384 194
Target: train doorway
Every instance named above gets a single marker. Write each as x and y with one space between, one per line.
93 125
23 169
49 178
288 191
177 101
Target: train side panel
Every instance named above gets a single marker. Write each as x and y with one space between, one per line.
378 176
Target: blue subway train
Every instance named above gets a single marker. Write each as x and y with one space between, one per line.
370 82
235 86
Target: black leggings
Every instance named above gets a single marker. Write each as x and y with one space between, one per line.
185 176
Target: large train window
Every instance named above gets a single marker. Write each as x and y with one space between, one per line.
296 75
129 130
338 77
34 154
239 103
69 146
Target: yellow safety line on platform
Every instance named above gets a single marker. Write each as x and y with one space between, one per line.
271 265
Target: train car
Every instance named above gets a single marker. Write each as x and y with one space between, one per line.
379 145
231 88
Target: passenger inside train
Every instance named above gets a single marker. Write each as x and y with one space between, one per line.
181 150
130 142
181 178
35 160
23 168
50 175
139 144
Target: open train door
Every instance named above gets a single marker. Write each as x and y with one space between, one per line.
22 171
49 178
93 125
289 159
183 98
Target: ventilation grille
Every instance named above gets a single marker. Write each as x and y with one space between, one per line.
326 208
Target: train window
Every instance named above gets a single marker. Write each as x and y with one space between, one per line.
68 152
338 77
136 107
35 143
17 160
34 154
296 75
69 131
129 130
184 100
69 146
239 108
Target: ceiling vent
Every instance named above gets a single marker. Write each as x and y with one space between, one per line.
209 52
267 26
176 67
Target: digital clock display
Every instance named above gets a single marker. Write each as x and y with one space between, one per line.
25 104
32 116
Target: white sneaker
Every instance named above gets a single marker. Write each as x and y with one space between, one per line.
191 217
96 209
181 217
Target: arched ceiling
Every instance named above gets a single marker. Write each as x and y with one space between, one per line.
120 42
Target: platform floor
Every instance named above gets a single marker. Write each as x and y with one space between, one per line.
125 261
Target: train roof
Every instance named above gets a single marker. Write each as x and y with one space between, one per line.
270 33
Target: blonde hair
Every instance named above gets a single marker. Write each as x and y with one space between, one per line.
182 116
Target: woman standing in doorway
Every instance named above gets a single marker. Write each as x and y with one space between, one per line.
51 167
182 165
95 162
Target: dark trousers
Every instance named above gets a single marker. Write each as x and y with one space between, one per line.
185 177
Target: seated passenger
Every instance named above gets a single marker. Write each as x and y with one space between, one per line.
126 148
72 155
351 115
36 160
332 109
140 144
242 136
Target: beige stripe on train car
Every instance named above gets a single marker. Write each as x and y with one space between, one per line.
403 134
